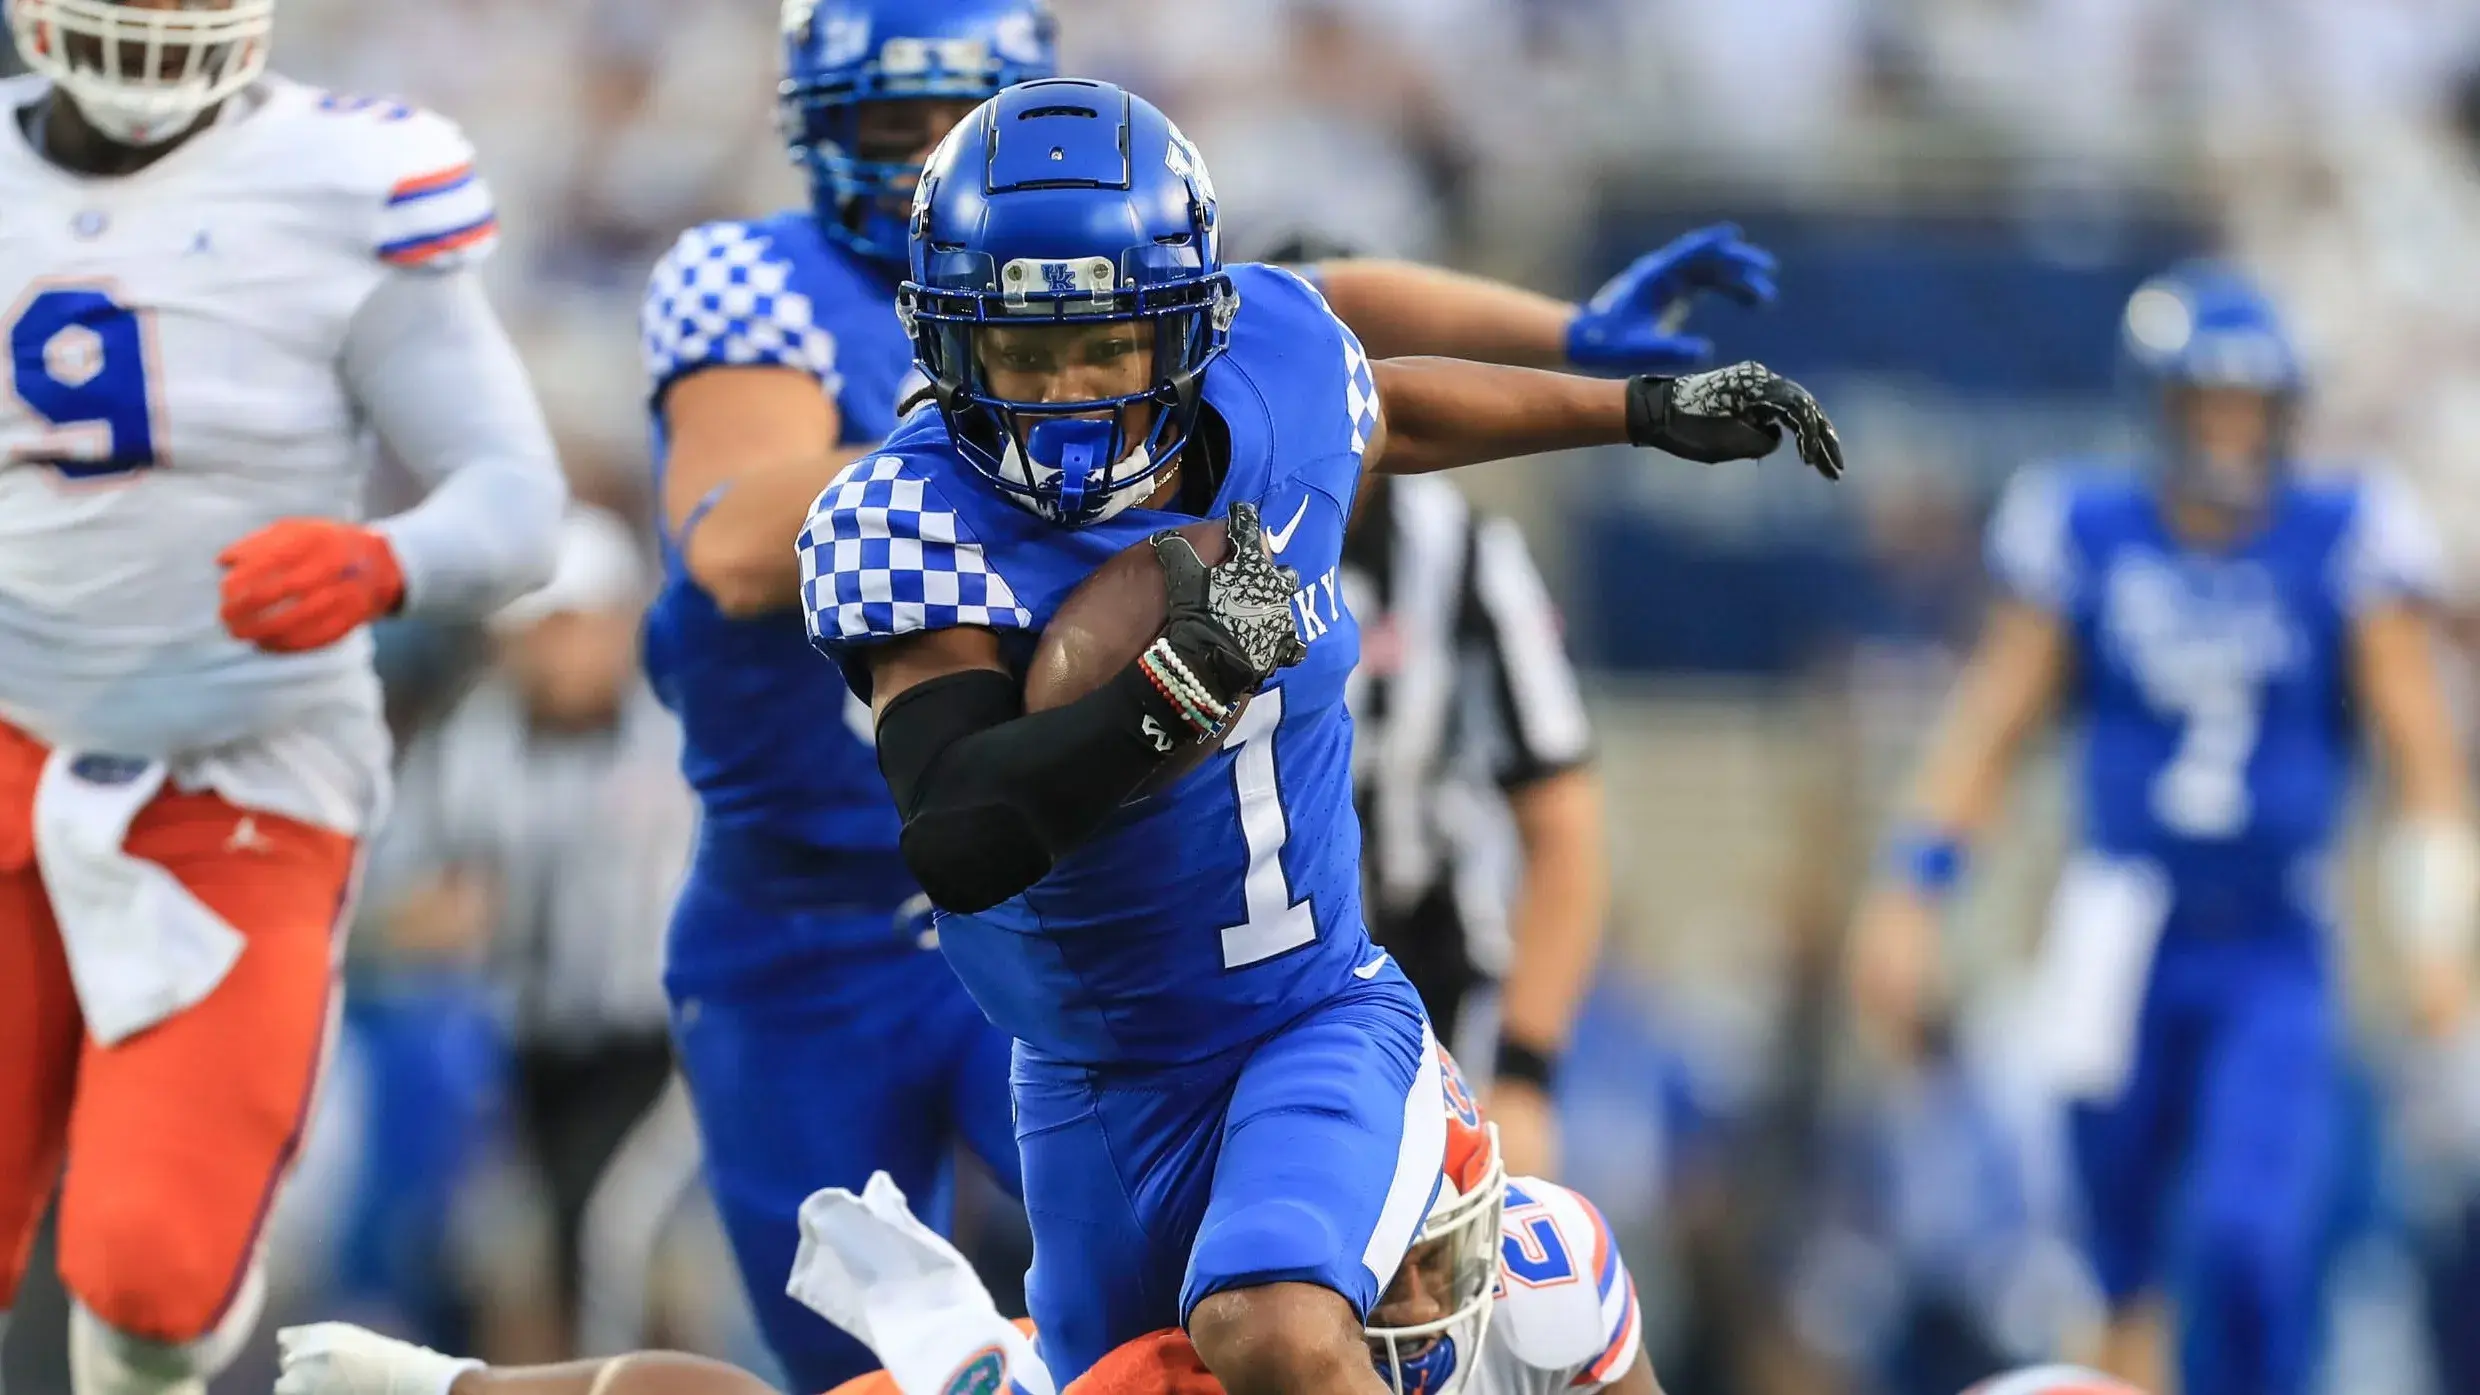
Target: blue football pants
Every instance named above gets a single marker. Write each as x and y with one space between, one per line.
818 1075
2210 1174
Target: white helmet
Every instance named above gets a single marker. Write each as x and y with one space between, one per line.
1454 1260
143 70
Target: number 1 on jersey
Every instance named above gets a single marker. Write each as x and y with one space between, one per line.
78 359
1276 922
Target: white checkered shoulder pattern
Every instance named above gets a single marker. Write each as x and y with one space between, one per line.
884 556
1360 391
1360 386
723 296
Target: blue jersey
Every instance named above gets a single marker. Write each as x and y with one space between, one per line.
2211 693
751 694
1219 909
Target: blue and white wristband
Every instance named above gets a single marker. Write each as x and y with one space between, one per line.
1928 860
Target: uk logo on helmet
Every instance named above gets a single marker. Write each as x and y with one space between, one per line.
1182 159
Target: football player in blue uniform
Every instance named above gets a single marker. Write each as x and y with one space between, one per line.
820 1035
1220 1087
2216 626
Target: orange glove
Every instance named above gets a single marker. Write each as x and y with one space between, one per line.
1158 1363
304 583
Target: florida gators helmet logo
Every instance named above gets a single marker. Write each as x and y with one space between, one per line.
983 1373
1459 1095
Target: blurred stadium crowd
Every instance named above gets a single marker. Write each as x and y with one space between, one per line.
1962 193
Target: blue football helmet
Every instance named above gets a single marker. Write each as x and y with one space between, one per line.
1056 205
2206 325
840 55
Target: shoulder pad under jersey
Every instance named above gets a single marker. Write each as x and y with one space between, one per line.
1566 1302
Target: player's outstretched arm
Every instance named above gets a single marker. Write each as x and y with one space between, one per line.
338 1358
2007 690
2432 861
1631 325
1397 309
1440 413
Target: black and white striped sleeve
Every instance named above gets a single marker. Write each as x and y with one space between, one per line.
1508 617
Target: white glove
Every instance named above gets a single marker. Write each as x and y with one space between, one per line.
338 1358
869 1266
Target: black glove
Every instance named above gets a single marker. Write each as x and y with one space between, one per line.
1734 413
1230 626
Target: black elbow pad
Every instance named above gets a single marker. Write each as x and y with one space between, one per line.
925 722
968 849
991 796
972 859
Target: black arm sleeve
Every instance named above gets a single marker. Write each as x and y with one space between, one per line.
991 794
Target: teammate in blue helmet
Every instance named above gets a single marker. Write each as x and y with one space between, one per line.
2218 624
1224 1095
869 86
2221 380
821 1035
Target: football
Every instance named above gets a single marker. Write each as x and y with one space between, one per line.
1102 627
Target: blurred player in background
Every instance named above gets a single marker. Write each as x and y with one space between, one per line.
1513 1287
2217 629
214 281
1215 1077
800 944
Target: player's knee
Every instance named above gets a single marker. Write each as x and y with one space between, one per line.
1276 1236
1279 1338
971 859
107 1357
106 1360
143 1276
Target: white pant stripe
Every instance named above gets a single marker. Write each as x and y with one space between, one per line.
1417 1162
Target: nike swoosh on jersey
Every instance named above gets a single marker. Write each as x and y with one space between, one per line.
1370 969
1278 539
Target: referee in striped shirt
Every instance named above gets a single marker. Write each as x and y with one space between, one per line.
1480 812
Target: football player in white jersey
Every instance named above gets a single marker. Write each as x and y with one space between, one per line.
215 285
1514 1287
